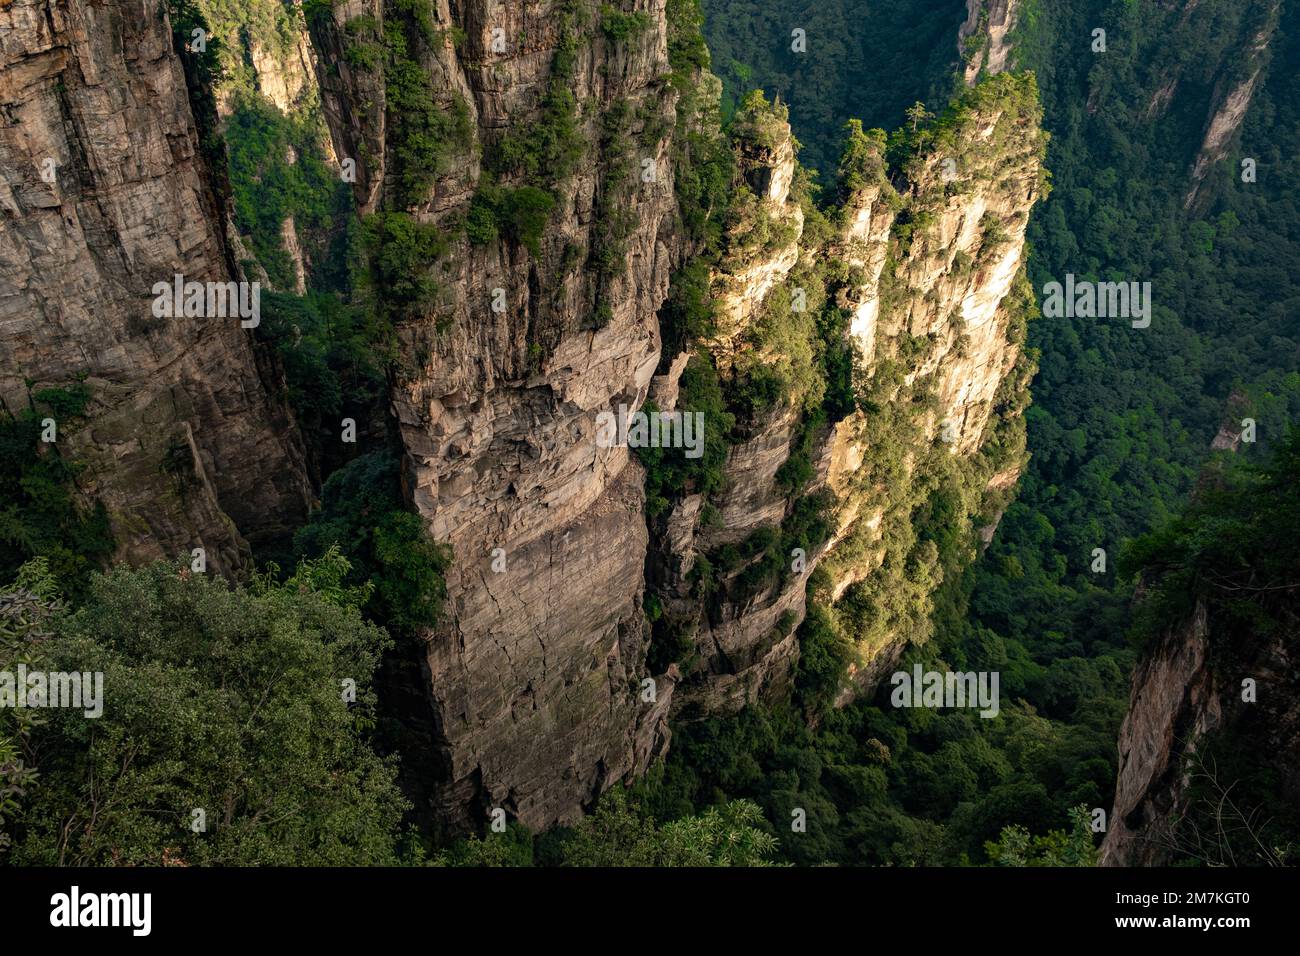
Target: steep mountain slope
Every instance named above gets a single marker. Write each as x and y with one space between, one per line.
1159 174
534 679
1171 170
920 278
551 213
835 61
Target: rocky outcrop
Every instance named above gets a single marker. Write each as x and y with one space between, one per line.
1174 703
932 260
984 39
286 79
539 681
268 65
1160 99
1204 676
515 170
748 275
293 248
1231 100
352 95
106 192
742 636
956 285
536 679
264 48
1189 687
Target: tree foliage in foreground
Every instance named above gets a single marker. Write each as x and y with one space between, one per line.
621 833
228 701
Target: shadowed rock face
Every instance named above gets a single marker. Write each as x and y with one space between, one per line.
185 444
1187 687
1173 704
535 678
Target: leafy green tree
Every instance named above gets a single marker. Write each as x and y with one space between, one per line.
390 550
918 114
40 514
1016 847
225 736
618 834
514 847
28 609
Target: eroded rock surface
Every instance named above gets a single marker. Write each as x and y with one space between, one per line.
186 442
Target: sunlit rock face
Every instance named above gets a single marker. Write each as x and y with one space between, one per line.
537 683
984 39
947 279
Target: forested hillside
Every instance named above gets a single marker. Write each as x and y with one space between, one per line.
868 61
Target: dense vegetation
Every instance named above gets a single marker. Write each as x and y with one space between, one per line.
394 560
233 733
239 731
1123 417
864 61
1235 553
40 514
278 172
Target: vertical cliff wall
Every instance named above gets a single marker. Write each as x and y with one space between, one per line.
516 176
942 333
106 191
535 678
1175 790
984 40
1209 747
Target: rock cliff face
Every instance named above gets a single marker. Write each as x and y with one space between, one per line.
949 315
286 79
928 272
535 680
515 170
1174 703
105 193
352 97
1187 689
539 681
1232 97
268 84
264 48
1204 678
